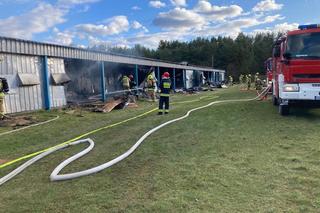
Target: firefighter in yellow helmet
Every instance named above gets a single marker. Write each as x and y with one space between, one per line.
151 86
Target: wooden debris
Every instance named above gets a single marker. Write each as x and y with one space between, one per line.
109 106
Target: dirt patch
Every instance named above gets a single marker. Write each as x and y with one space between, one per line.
18 121
2 161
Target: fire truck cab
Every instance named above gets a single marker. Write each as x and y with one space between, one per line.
296 68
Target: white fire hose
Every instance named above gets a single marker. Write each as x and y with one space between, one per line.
55 176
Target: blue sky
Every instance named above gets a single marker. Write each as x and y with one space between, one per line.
146 22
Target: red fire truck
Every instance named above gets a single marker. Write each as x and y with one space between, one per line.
296 68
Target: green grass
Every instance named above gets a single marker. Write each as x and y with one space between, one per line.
240 157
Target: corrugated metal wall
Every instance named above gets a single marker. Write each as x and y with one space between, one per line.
58 95
26 98
30 98
18 46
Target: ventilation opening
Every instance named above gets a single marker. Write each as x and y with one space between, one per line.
28 79
60 78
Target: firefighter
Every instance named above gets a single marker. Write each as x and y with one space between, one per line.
3 89
244 80
165 87
132 83
248 81
125 82
241 81
151 86
133 86
259 88
259 84
256 77
230 80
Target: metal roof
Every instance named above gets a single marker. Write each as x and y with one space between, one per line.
25 47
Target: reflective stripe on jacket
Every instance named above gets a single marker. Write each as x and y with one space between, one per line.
165 87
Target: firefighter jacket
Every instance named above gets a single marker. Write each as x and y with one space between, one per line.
165 87
151 84
1 89
126 81
132 84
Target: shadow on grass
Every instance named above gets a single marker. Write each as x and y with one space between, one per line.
304 112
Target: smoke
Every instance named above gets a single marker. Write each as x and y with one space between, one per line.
85 79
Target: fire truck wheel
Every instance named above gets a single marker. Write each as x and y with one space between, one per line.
284 110
275 101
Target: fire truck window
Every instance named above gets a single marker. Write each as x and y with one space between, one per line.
304 45
269 65
295 44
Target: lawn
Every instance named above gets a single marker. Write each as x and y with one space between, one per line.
239 157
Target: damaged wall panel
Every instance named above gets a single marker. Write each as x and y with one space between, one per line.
85 79
58 95
26 98
179 79
86 82
25 78
114 73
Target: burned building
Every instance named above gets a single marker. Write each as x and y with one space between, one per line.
45 76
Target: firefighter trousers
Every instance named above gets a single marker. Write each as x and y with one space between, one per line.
1 107
164 100
151 95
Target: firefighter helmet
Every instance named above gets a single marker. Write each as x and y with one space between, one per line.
166 75
150 77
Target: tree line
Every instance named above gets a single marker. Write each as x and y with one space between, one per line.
243 55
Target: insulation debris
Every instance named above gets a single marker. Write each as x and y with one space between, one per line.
18 121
